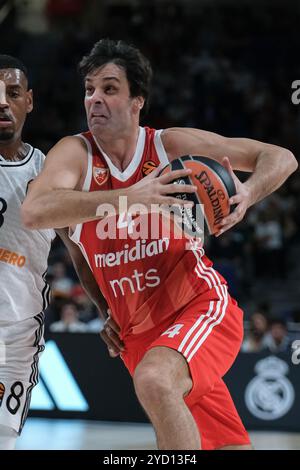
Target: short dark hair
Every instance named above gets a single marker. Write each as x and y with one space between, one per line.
137 67
10 62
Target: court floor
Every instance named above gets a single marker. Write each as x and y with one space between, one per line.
45 434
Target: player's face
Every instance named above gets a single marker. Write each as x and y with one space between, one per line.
15 103
109 106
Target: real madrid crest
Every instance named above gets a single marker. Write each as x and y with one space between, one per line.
270 395
100 174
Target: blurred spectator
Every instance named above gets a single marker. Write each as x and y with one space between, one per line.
227 253
30 16
95 326
277 339
61 284
86 309
69 320
255 340
269 243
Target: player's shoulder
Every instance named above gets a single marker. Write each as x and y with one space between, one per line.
174 137
173 133
70 147
70 142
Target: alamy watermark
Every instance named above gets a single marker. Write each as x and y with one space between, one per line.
296 352
158 221
296 94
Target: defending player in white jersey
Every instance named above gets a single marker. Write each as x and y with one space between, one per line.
24 293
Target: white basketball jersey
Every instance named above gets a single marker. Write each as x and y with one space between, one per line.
23 253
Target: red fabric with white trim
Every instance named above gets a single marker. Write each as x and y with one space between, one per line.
144 280
208 333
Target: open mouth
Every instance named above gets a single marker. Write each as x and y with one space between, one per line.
98 116
5 119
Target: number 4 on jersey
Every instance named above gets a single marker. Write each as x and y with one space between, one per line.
126 220
173 331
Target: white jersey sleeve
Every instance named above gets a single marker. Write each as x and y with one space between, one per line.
23 253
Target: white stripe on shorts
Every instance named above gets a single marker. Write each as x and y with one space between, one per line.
214 320
203 326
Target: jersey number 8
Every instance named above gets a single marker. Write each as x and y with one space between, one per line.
2 210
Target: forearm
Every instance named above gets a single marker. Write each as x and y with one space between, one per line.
84 273
271 170
92 289
63 207
94 293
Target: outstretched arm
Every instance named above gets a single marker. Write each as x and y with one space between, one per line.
55 198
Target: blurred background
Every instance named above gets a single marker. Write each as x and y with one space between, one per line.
220 65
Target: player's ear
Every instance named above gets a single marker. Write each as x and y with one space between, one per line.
29 101
138 103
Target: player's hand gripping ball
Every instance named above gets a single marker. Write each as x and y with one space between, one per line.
211 201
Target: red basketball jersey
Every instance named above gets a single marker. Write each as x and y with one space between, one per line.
147 278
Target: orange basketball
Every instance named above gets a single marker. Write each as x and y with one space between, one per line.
215 187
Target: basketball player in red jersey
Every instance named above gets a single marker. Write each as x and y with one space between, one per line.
171 318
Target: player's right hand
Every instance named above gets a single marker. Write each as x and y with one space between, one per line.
155 189
110 335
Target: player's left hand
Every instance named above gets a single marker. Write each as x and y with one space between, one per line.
110 335
241 200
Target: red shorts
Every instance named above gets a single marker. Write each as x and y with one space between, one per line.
208 333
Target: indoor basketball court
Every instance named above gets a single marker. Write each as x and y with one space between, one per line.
41 434
227 73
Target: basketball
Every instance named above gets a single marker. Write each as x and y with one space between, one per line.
2 390
215 186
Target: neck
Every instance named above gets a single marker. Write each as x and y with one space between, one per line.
13 152
120 150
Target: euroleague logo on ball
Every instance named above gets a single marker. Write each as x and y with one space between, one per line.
100 174
221 194
148 167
